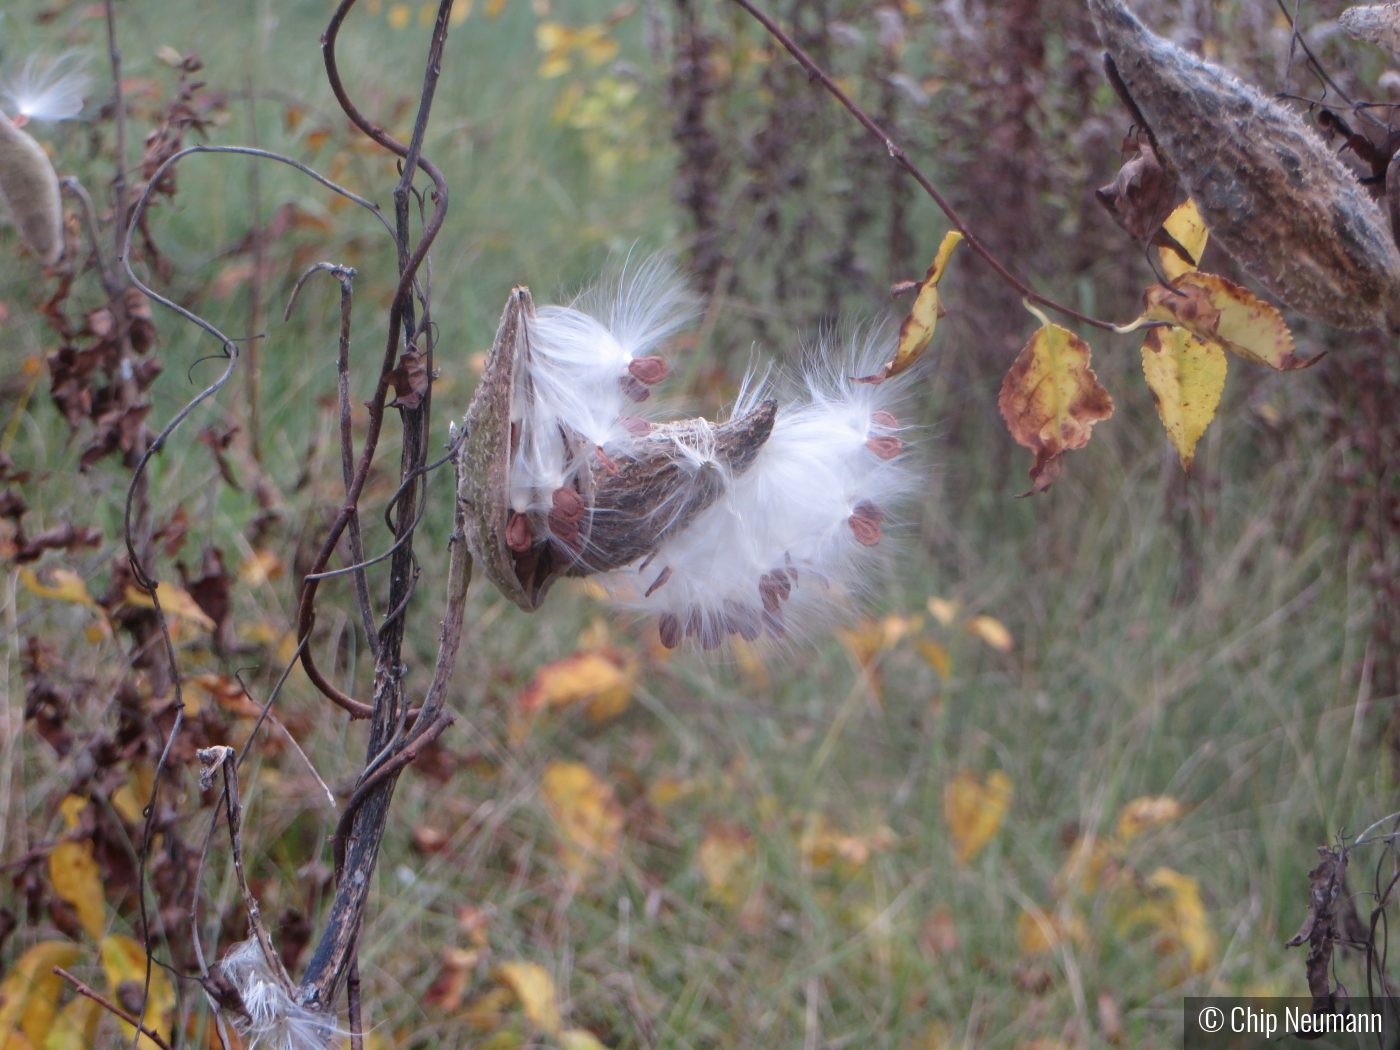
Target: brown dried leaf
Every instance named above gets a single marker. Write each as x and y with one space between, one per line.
1143 194
1051 399
410 380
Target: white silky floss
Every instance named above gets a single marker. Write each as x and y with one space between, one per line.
272 1019
786 545
28 183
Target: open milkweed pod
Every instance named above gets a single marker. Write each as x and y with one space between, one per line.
544 500
1377 24
29 186
1267 186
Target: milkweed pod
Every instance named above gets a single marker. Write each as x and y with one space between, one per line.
543 501
29 186
1266 184
1378 24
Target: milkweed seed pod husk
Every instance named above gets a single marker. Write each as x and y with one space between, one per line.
30 188
1377 24
742 527
1268 187
262 1011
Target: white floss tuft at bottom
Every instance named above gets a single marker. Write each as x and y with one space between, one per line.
789 543
272 1019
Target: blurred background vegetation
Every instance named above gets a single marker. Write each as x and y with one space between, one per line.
920 833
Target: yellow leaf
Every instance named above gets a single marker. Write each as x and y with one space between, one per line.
427 14
579 1039
461 9
943 610
534 988
494 8
1189 229
585 813
1085 864
726 857
67 586
1186 377
124 962
174 601
75 1028
29 994
1220 311
131 798
974 810
822 845
399 14
1184 925
71 809
1038 932
260 567
602 679
1150 811
991 631
936 656
77 880
1051 399
916 332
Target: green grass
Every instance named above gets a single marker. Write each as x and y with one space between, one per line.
1239 698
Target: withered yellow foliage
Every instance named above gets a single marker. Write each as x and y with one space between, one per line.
1220 311
1189 230
1186 377
586 814
77 880
974 810
30 992
124 960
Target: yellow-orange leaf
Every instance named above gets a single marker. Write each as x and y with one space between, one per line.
227 693
1186 376
944 610
75 1027
29 994
936 656
77 880
1220 311
992 631
1189 229
603 679
1150 811
1038 931
726 858
579 1039
585 813
534 988
124 962
67 586
974 810
1183 922
174 601
71 809
1051 399
260 567
916 332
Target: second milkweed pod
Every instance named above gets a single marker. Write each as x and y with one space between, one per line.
29 186
1266 184
1378 24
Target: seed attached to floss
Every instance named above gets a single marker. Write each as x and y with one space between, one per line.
649 370
865 523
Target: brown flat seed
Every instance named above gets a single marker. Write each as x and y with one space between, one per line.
649 370
742 620
670 629
519 535
881 418
885 447
712 633
865 523
659 582
606 460
635 426
634 389
565 516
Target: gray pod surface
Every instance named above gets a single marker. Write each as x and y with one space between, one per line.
1269 189
29 186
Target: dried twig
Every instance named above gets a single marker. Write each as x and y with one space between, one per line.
107 1004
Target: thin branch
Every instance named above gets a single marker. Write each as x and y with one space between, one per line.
119 116
898 156
107 1004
